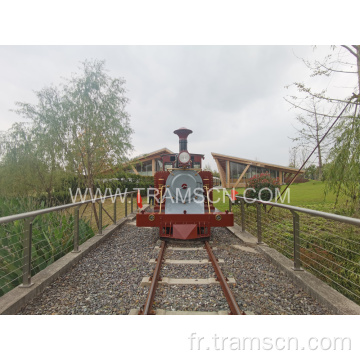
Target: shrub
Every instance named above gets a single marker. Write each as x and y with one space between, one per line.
123 181
52 238
261 182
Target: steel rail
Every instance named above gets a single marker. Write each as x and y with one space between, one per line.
234 307
154 283
10 218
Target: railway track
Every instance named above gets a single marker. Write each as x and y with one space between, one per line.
220 279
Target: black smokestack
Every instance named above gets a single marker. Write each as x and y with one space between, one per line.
183 133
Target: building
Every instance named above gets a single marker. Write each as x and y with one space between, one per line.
148 164
235 171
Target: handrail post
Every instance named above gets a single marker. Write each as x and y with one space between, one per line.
126 202
132 206
76 230
258 217
296 233
115 211
242 204
100 218
27 253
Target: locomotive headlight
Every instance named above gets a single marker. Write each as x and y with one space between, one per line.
184 157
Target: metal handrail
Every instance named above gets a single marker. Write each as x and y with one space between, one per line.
27 234
34 213
325 215
299 253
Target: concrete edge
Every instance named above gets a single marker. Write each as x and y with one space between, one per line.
323 293
246 237
14 300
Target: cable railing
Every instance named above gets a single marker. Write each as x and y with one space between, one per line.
31 241
325 244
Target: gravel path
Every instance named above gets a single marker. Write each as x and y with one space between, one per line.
107 280
104 282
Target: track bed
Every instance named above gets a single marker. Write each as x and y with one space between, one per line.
107 281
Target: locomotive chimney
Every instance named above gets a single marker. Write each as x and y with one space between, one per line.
183 133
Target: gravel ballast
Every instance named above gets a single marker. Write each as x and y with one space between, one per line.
107 281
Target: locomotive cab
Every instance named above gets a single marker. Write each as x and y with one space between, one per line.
183 203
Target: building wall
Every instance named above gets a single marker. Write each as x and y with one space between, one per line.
145 168
236 173
236 169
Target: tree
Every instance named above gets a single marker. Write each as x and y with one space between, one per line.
293 156
311 172
339 61
16 151
207 167
43 139
99 132
312 129
80 128
342 174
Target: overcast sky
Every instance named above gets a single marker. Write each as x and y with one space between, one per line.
230 96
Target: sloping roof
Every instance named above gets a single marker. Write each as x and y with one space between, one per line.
152 154
255 163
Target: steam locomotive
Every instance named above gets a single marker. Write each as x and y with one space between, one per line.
183 207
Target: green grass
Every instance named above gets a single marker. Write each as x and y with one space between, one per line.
308 195
312 192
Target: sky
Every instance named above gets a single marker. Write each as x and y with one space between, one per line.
232 97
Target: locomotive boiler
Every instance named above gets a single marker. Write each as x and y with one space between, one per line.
183 207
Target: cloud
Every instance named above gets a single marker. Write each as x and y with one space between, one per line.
230 96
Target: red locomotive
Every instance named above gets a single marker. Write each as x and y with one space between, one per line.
183 197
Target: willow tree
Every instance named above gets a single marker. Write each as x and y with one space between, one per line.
343 171
17 164
42 137
82 126
343 175
98 135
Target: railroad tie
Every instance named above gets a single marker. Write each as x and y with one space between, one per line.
171 281
184 248
173 312
186 262
155 280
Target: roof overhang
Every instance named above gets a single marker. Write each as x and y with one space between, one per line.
256 163
153 155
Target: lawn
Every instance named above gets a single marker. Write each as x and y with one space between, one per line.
309 195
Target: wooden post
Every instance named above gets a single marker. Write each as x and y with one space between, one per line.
135 171
281 177
222 173
241 176
227 173
153 166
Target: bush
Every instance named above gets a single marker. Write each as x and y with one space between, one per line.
123 181
52 238
261 182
